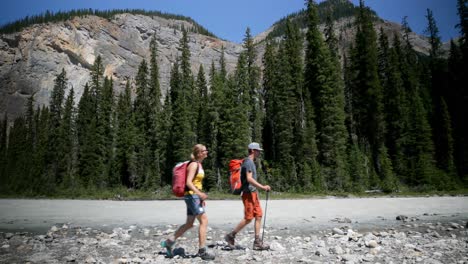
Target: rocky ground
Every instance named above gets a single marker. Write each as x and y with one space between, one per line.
412 240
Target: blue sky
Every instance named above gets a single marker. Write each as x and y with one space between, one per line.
229 19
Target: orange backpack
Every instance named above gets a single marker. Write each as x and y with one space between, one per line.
235 176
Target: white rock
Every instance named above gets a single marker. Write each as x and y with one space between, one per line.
90 259
275 246
337 231
371 244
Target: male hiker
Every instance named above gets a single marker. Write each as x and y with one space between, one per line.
252 208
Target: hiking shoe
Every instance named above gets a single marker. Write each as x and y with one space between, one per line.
259 245
168 244
230 239
205 255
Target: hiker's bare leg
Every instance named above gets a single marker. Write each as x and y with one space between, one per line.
241 225
258 224
203 220
183 228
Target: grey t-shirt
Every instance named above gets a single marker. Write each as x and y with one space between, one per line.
248 165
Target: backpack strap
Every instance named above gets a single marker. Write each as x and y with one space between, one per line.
198 167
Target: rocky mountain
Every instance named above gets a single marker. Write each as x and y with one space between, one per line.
30 59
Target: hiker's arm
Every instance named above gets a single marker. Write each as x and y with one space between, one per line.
191 170
255 183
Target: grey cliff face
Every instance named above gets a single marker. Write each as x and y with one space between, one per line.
31 59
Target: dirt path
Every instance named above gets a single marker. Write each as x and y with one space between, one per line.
40 215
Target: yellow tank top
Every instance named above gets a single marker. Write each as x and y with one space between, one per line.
197 179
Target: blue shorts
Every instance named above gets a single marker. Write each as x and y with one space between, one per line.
194 205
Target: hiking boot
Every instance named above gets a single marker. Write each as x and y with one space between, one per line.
168 244
205 255
259 245
230 239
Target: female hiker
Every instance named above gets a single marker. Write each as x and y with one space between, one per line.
195 201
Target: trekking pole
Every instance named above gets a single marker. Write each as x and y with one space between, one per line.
264 219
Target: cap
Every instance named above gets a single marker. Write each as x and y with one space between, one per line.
255 145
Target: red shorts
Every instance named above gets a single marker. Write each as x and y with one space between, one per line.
252 208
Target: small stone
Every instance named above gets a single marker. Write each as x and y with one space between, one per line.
275 246
137 260
70 258
122 260
372 244
402 217
383 234
90 259
337 231
321 252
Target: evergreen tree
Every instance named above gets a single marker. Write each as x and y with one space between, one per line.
433 32
289 116
323 79
126 134
17 166
206 127
183 117
106 121
442 127
455 101
366 88
143 124
462 127
67 145
31 139
330 37
41 181
445 146
169 110
202 94
56 111
166 135
256 100
89 158
217 101
234 128
418 147
157 142
395 104
270 79
100 125
389 181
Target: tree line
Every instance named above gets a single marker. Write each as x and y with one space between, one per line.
380 117
59 16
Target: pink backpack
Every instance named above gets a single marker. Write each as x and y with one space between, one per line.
179 177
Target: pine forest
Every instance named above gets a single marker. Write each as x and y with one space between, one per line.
377 116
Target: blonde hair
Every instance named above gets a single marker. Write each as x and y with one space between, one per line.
197 149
